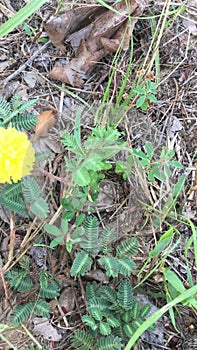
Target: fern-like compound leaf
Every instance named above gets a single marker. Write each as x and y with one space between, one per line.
81 340
113 322
4 108
15 102
105 328
106 238
21 312
89 321
109 294
129 329
109 343
43 279
127 247
25 121
50 291
81 264
30 188
110 264
11 198
91 290
42 308
125 265
89 240
40 208
71 144
19 279
135 311
145 310
125 295
27 104
98 307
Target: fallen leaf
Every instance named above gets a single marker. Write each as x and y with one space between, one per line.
46 121
43 327
60 26
103 35
67 299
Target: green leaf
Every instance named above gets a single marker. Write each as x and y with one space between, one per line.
81 177
178 186
151 177
152 98
174 280
20 16
144 106
158 314
176 164
139 154
139 91
113 322
64 225
163 242
52 230
159 175
140 101
149 149
167 170
125 295
69 246
40 208
68 215
89 321
82 340
105 328
81 264
66 204
56 242
79 219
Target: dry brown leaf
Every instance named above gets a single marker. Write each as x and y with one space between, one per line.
43 327
46 121
60 26
102 36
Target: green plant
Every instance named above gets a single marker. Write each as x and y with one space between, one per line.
158 314
20 16
96 243
91 159
21 280
146 92
113 316
87 164
156 169
23 194
14 113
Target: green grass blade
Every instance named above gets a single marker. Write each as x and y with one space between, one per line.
145 325
20 16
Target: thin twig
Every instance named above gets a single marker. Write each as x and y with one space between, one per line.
24 65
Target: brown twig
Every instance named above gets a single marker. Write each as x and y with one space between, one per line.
5 287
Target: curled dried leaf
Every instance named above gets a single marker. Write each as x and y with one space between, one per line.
46 121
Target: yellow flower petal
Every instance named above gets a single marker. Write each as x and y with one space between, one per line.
17 155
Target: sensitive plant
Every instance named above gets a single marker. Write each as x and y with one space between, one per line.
20 192
45 288
113 315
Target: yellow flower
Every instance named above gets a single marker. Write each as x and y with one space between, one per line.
17 155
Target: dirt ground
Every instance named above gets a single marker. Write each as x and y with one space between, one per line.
26 60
